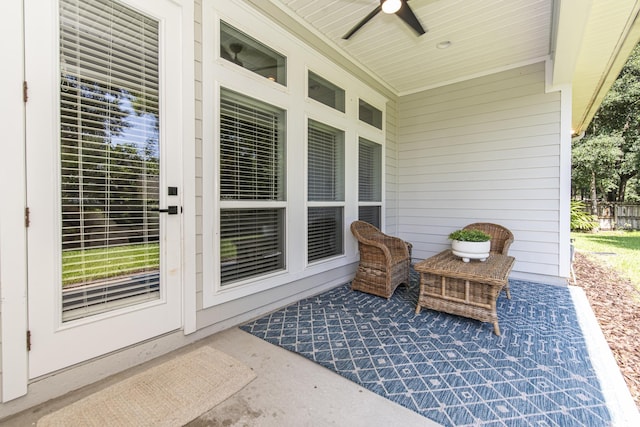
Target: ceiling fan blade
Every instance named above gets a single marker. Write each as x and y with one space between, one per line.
366 19
407 15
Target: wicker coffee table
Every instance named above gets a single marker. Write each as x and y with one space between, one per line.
468 289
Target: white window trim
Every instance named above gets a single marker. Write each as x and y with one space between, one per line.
299 109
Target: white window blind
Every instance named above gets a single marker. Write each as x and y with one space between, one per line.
325 184
251 243
324 232
369 171
251 170
325 163
370 214
251 149
109 148
369 181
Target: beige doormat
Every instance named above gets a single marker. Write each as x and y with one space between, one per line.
170 394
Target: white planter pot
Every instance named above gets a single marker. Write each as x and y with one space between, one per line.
471 250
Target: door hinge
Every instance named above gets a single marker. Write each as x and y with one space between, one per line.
27 217
25 91
28 340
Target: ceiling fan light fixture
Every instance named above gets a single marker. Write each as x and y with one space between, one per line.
398 7
391 6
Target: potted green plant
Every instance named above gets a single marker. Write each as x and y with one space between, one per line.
470 244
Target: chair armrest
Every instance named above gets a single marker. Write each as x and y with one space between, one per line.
507 243
392 245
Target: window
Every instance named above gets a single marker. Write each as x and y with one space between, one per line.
252 165
369 114
326 163
324 233
279 174
369 182
251 149
251 243
109 157
325 188
325 92
370 214
242 50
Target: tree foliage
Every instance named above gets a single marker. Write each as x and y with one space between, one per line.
607 159
594 159
581 220
110 169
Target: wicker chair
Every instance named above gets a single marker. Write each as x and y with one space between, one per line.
385 261
501 239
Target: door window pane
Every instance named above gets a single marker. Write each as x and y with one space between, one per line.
110 149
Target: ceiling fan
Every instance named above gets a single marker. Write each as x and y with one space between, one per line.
399 7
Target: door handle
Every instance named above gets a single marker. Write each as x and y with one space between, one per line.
171 210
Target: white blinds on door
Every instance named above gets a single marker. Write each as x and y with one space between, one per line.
109 156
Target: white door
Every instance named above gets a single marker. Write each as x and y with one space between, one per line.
103 126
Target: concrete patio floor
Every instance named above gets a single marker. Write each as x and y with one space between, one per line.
289 391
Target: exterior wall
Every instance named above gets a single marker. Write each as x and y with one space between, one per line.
487 149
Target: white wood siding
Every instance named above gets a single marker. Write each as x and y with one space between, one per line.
487 150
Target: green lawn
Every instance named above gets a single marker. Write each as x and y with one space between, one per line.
101 263
619 249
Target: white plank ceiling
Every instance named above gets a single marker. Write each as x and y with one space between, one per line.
485 36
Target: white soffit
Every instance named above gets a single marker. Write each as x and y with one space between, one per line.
612 31
590 39
485 36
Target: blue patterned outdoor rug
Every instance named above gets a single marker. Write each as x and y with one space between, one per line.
450 369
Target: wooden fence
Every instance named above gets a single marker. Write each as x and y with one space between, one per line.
627 216
617 216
